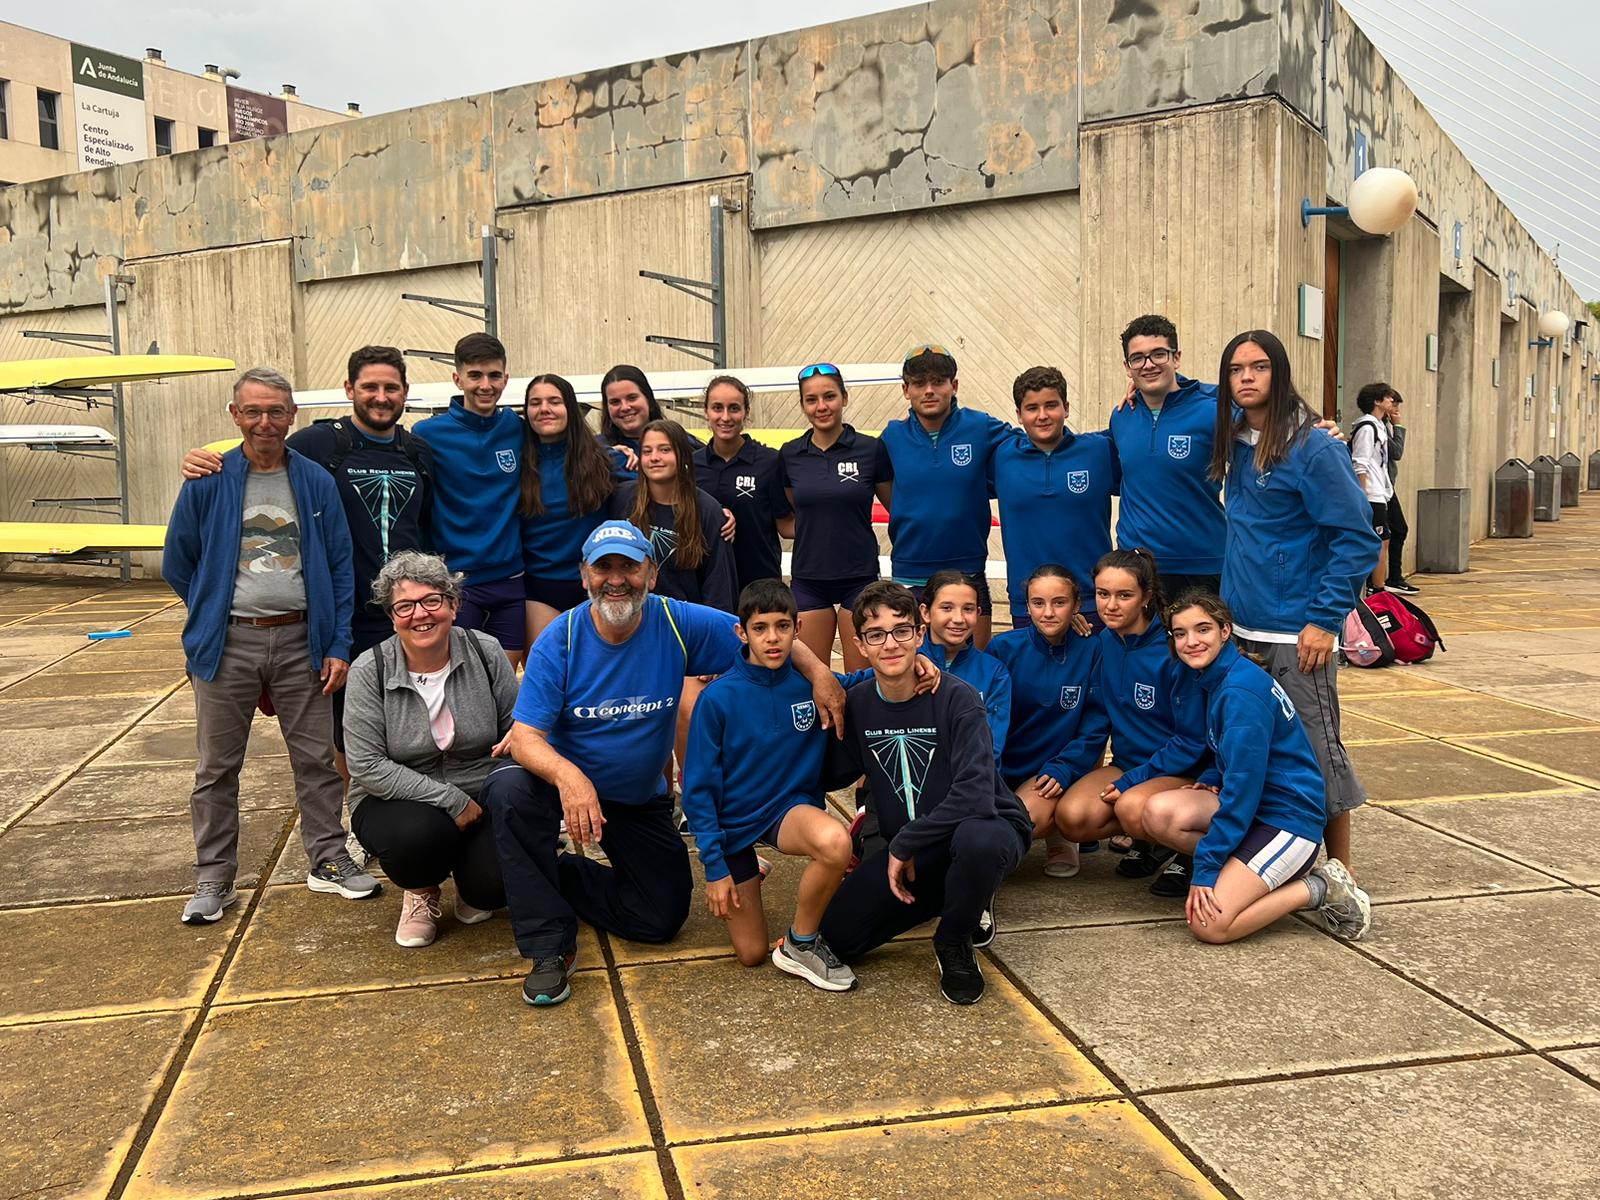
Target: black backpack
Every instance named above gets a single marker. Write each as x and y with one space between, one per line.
404 441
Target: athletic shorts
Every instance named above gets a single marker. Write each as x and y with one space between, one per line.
1277 856
813 594
559 594
742 864
1316 700
496 608
1380 520
980 584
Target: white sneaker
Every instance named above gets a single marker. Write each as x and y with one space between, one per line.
469 915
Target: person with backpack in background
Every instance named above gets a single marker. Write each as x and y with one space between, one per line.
1396 581
1369 454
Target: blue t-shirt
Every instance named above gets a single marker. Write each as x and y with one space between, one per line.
612 710
833 490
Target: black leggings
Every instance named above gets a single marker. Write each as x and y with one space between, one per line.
420 846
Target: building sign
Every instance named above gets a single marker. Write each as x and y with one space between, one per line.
253 115
108 94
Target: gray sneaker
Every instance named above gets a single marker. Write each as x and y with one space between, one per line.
816 963
1347 910
209 899
340 874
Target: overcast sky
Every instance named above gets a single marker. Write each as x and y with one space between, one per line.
1503 79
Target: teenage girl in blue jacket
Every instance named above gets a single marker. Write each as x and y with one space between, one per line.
1157 724
1253 821
950 612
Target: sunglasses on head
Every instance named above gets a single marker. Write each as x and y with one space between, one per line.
819 369
926 348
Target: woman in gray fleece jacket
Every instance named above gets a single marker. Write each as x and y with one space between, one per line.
425 715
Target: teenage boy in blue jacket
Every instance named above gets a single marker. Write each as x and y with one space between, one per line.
260 555
477 452
940 517
754 777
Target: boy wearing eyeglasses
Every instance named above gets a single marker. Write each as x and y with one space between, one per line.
954 830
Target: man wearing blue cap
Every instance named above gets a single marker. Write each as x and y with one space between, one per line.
592 729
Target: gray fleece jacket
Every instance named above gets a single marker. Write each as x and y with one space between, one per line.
388 743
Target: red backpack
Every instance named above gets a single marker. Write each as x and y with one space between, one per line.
1411 631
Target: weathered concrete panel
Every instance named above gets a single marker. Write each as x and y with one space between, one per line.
393 192
669 120
1144 56
59 238
343 314
230 195
941 103
1300 28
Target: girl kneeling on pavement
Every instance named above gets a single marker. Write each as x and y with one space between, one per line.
1253 821
425 714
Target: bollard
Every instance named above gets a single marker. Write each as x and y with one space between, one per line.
1511 504
1442 536
1571 479
1546 488
1594 471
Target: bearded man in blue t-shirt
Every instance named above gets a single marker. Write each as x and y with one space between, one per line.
593 727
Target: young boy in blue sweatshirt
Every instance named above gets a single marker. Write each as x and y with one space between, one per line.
754 776
954 830
940 517
1253 821
477 455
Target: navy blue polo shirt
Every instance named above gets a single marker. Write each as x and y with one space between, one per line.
833 490
750 486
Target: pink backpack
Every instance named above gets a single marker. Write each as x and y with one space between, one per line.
1365 640
1411 631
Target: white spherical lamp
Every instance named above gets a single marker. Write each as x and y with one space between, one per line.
1554 324
1382 199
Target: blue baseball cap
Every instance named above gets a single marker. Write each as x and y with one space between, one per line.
616 537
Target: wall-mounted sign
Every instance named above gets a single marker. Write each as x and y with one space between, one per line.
1430 352
1458 243
108 96
1363 153
1511 287
253 115
1311 311
1494 372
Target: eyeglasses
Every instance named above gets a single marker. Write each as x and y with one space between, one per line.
900 633
432 602
927 348
819 369
1160 357
252 415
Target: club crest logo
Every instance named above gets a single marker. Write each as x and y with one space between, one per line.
1178 445
1263 479
961 454
849 472
805 715
745 484
1070 696
1077 482
1144 695
507 460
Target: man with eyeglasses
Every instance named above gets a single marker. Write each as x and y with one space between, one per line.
260 555
953 828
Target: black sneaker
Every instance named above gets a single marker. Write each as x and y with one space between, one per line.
549 981
984 934
1174 881
960 981
1143 861
1401 586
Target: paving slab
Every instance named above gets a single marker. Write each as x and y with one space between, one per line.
1084 1150
1558 833
20 790
1457 715
21 667
1529 963
1286 999
1506 644
623 1177
44 714
178 709
60 748
1580 700
176 743
1398 859
303 943
1586 1061
66 685
1388 681
1573 754
464 1075
124 859
157 790
1405 772
1097 895
1356 728
162 658
1501 1129
73 1116
1482 671
102 959
737 1050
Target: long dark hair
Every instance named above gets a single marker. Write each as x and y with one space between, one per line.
589 481
692 549
1289 417
1141 564
617 374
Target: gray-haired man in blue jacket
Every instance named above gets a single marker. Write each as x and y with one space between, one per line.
260 555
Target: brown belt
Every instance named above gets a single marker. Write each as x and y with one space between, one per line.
293 618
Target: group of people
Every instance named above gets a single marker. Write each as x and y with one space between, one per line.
635 577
